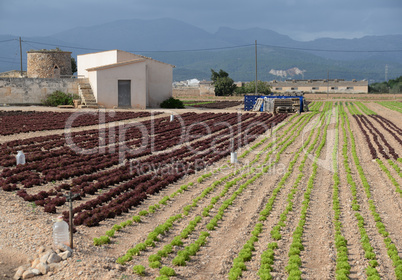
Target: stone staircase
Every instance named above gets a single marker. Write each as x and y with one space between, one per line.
87 97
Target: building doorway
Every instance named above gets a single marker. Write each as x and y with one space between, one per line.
56 72
124 93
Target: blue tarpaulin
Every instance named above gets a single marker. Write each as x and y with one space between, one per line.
250 100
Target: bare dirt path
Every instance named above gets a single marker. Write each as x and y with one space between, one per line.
387 201
281 254
24 228
134 235
385 267
215 259
349 222
273 218
392 115
83 239
280 204
318 238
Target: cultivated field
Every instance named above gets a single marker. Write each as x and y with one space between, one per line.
313 196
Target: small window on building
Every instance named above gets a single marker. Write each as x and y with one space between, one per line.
350 88
278 88
334 87
294 88
315 88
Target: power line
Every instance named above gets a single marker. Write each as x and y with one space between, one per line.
8 58
56 45
198 50
9 62
184 50
329 50
9 40
29 43
26 42
5 57
223 48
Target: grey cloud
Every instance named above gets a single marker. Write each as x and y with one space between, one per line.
301 19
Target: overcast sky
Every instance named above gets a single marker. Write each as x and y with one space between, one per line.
299 19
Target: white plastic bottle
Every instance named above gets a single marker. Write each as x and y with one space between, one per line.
60 232
20 157
233 157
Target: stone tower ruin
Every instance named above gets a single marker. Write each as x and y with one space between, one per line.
49 64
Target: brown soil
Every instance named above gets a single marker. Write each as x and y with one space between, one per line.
24 227
352 96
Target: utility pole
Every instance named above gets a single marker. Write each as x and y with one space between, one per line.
69 198
386 72
255 67
327 84
21 56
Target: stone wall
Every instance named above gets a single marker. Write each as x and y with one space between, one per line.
13 74
181 92
191 92
33 90
48 64
207 89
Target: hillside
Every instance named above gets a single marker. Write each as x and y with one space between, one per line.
195 51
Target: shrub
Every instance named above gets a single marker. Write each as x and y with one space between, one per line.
152 209
149 243
110 233
168 271
143 213
167 249
133 251
137 219
179 261
176 241
141 246
124 259
139 269
58 98
154 258
155 264
117 227
162 253
172 103
101 240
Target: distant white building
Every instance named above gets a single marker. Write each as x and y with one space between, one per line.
123 79
193 83
312 86
187 83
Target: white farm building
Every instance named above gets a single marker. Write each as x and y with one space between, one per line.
126 80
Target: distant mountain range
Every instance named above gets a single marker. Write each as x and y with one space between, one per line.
195 51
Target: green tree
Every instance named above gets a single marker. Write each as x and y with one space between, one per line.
397 88
262 87
390 86
392 83
73 65
224 85
249 87
379 88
